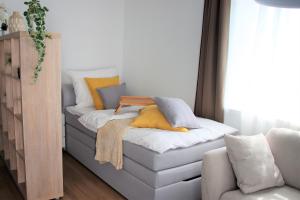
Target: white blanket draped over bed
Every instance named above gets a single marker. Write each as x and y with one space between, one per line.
155 139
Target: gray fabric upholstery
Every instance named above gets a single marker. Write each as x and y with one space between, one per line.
177 112
73 120
281 193
126 183
148 158
217 175
155 179
68 96
285 146
158 179
122 181
111 95
169 159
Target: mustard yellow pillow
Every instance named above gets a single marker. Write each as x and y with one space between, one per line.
94 83
151 117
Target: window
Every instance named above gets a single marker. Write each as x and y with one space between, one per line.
263 72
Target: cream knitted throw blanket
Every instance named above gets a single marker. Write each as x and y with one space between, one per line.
109 144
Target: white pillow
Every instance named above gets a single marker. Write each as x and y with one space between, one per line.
253 163
82 93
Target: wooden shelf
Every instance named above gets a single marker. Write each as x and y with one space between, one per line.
21 169
18 177
12 156
10 109
12 76
6 148
21 153
8 74
13 143
14 174
7 53
22 101
19 117
6 161
5 134
22 188
3 101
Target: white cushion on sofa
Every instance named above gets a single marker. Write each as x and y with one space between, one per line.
282 193
82 93
253 163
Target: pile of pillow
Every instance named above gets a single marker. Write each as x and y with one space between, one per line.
171 114
100 88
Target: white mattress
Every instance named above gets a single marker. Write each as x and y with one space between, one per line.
79 111
162 140
154 139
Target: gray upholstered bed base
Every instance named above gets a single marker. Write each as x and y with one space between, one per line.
134 181
126 183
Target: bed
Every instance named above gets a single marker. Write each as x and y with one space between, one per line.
146 174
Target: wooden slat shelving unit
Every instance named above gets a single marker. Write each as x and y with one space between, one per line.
30 119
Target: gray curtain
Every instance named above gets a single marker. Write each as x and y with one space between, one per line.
213 59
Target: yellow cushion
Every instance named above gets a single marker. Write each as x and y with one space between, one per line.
151 117
94 83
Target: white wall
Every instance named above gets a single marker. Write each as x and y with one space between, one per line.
92 30
161 47
158 39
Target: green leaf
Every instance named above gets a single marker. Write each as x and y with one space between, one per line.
35 15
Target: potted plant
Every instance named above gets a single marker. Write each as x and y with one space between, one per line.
35 16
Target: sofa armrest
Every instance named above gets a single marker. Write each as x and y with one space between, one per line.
217 175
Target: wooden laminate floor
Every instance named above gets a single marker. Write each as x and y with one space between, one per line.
79 184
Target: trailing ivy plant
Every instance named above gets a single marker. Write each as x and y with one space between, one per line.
35 16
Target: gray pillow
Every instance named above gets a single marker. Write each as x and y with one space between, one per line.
111 95
253 163
177 112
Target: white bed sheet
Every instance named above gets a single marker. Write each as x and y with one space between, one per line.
98 118
79 111
161 140
155 139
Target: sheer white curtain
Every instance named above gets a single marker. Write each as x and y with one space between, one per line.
262 88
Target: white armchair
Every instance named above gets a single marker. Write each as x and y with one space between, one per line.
219 182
